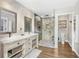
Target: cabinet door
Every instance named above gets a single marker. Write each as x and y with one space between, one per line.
26 47
34 42
30 44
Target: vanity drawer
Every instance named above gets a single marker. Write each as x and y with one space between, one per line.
14 44
34 37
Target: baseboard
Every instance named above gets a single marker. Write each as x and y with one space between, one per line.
68 43
66 40
73 48
76 52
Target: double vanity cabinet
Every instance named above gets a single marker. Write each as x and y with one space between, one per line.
18 46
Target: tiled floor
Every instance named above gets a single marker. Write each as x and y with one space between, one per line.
63 51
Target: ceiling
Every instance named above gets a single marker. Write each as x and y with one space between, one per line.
44 7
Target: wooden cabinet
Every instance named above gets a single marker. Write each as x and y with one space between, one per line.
18 48
34 42
30 44
12 49
15 52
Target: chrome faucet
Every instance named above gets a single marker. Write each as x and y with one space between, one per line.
9 34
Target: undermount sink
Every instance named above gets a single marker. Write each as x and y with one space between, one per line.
22 34
16 37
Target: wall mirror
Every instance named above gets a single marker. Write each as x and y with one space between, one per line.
27 24
8 21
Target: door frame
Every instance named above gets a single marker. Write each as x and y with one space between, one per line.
56 29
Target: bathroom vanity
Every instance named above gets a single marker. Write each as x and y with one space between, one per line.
18 45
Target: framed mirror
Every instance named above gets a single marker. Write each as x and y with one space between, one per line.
27 24
8 21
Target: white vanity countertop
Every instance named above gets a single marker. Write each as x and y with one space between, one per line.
16 38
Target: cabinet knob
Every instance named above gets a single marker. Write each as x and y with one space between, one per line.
18 43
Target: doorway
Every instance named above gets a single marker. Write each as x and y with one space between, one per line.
63 28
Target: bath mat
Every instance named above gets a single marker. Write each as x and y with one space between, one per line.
33 54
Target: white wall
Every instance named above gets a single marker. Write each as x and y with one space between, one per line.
76 43
66 11
76 40
77 18
21 11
